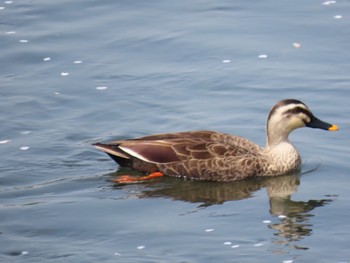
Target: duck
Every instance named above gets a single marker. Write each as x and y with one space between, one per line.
215 156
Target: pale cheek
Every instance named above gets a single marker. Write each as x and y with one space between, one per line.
297 123
304 119
300 122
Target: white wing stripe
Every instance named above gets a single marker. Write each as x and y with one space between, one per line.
134 154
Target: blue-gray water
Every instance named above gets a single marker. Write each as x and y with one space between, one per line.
76 72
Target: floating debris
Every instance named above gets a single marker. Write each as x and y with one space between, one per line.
101 88
141 247
338 17
226 61
235 246
64 74
263 56
296 45
266 221
24 148
209 230
5 141
47 59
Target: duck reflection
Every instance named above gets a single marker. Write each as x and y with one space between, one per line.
293 215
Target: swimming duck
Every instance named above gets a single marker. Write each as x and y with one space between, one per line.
215 156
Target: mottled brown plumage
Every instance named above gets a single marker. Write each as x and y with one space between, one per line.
214 156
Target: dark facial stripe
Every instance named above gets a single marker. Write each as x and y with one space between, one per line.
284 103
298 110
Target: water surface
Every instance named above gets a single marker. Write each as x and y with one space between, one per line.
76 72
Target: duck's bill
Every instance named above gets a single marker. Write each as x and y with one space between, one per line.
317 123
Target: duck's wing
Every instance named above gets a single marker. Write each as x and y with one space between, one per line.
189 154
171 147
167 150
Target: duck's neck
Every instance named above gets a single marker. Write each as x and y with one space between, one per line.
283 156
274 138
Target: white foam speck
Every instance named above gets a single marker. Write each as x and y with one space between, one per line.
296 45
77 61
24 252
2 7
101 88
5 141
47 59
24 148
25 132
8 2
209 230
10 32
282 216
266 221
258 245
287 261
226 61
235 246
328 2
24 41
141 247
56 93
227 243
262 56
117 254
64 74
338 17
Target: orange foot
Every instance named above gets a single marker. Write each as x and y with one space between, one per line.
125 179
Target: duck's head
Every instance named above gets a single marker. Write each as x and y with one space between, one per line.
288 115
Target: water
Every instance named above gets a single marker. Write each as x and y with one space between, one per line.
76 72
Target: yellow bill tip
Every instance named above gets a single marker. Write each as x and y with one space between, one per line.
333 128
